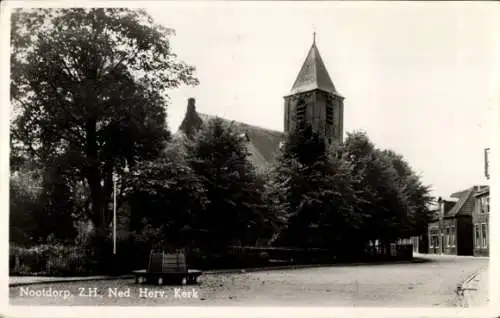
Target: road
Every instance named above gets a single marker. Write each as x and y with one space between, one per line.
428 284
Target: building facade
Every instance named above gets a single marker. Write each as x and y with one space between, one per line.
480 220
451 231
440 242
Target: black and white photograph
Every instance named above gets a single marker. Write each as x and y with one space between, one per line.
251 154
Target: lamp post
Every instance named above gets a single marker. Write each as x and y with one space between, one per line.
115 179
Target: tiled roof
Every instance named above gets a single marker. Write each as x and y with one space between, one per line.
459 194
313 75
447 206
483 191
465 203
263 143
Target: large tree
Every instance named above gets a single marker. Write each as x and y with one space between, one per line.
416 194
165 195
343 197
316 187
394 200
89 85
24 203
236 211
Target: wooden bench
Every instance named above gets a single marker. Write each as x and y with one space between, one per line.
167 268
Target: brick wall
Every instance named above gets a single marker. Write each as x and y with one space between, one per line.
480 228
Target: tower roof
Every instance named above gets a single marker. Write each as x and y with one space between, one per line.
313 74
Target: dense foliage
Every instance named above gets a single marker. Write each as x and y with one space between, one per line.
88 87
236 212
89 90
346 197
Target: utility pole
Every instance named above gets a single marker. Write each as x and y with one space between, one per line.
487 163
115 179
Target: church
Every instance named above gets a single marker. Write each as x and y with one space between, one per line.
313 101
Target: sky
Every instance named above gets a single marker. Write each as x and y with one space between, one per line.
417 77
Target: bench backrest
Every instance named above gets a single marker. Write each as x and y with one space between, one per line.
160 262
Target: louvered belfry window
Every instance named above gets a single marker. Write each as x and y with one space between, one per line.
329 113
301 114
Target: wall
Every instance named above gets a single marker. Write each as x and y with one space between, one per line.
315 113
445 238
478 218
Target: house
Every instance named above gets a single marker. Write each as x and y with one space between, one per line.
313 101
480 221
451 230
435 242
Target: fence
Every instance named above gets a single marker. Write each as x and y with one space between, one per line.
390 251
74 261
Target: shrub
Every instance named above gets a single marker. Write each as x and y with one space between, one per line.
25 260
49 259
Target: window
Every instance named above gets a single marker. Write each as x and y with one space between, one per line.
329 113
433 239
477 236
301 114
453 236
484 204
484 236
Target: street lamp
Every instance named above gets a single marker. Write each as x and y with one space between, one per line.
115 178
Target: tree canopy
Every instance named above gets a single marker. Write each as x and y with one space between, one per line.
347 196
236 211
89 92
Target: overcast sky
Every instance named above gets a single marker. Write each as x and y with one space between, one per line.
416 77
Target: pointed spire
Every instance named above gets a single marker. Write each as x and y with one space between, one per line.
313 74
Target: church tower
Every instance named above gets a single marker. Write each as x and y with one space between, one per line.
314 101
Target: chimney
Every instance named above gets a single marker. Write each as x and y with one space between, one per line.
191 105
441 207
